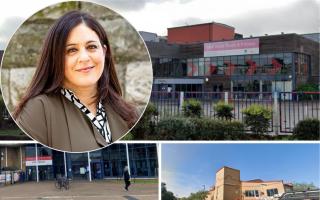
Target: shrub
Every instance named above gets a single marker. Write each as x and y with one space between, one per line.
307 129
257 118
146 124
308 88
175 128
191 108
187 128
223 110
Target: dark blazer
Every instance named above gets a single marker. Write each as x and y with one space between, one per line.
126 176
56 122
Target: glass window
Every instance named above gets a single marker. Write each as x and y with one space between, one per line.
251 193
207 70
272 192
201 67
214 65
114 160
240 60
190 67
96 155
195 67
184 67
257 193
264 63
30 150
255 59
220 66
44 151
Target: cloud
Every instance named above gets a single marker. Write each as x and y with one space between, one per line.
189 21
299 17
128 5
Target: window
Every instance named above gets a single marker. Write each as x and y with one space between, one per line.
190 67
195 67
272 192
251 193
201 67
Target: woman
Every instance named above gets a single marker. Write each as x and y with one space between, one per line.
74 100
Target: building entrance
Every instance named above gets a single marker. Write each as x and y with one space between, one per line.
96 170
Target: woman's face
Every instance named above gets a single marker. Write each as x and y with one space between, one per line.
84 58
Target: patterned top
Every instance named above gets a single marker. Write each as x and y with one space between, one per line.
99 121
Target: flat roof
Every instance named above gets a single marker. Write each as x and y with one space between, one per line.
202 25
228 168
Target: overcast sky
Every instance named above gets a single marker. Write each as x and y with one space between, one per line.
249 17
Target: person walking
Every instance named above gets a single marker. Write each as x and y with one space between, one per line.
126 178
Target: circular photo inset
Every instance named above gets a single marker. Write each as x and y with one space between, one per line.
76 76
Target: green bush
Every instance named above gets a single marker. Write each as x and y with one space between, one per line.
175 128
308 88
187 128
191 108
307 129
145 126
257 118
223 110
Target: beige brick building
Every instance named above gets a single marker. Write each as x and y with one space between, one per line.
229 187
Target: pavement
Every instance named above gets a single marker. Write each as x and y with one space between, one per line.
80 190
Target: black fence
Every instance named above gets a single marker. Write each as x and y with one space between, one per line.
297 106
288 107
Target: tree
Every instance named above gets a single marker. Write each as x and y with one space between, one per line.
200 195
303 186
165 194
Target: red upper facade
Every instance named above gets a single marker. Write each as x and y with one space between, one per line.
200 33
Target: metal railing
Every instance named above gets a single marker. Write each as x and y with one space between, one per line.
297 106
312 195
288 107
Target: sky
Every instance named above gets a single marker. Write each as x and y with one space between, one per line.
189 168
248 17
